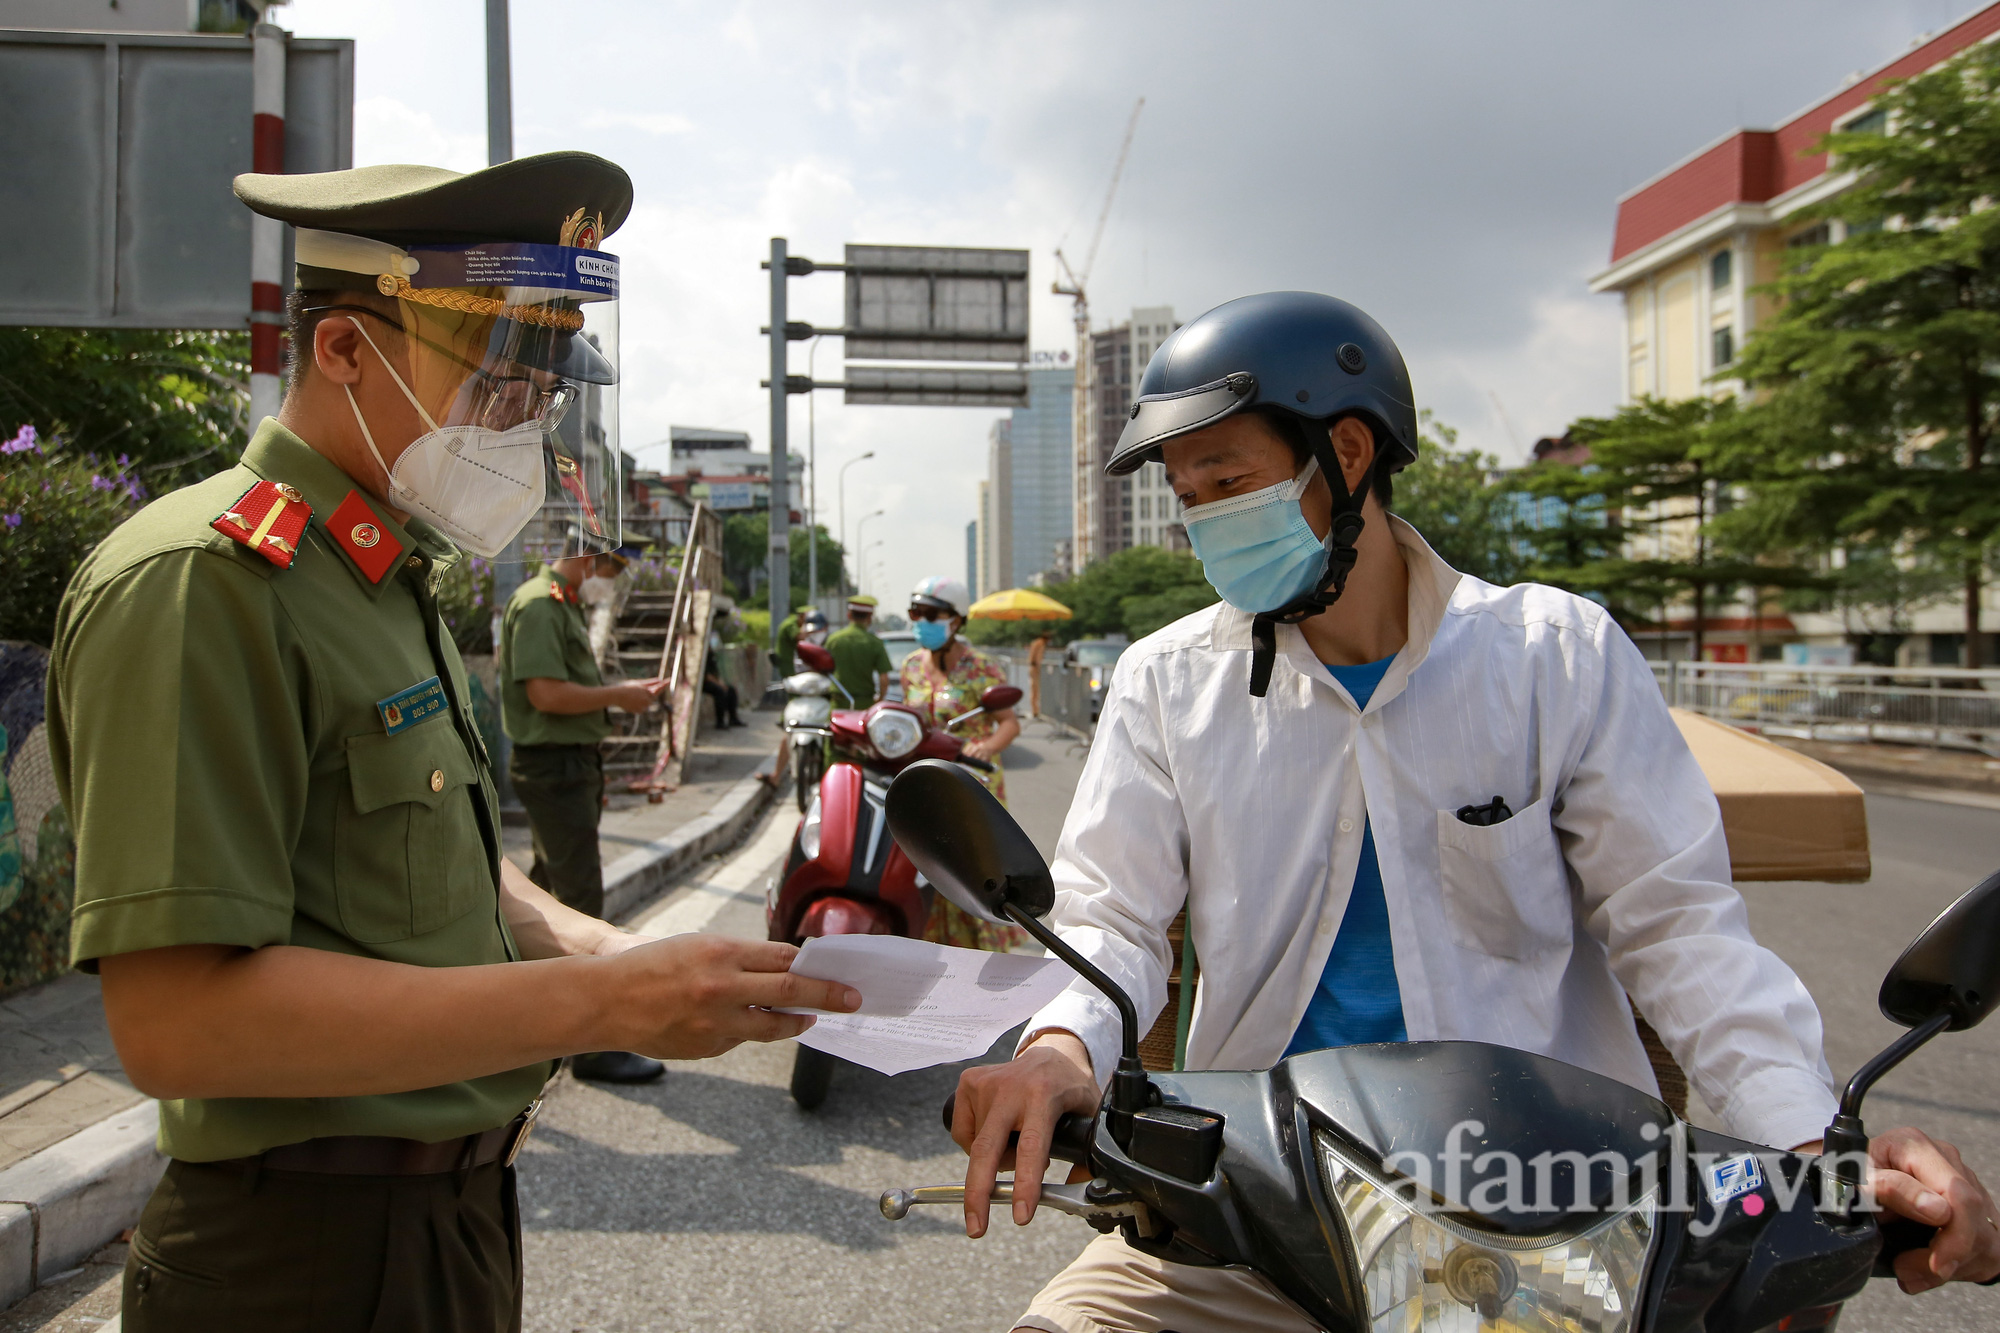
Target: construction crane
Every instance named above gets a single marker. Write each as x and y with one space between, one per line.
1076 280
1073 284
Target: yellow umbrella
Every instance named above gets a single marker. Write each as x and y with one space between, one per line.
1018 604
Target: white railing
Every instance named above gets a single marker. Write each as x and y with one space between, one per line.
1940 707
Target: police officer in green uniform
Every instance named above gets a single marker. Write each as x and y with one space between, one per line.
861 663
288 864
552 703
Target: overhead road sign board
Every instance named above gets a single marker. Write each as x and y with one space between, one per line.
115 206
915 386
936 303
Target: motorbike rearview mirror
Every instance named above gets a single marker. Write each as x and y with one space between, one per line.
1000 697
816 657
1944 982
966 843
1953 967
972 851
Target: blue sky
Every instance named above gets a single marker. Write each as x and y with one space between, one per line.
1450 166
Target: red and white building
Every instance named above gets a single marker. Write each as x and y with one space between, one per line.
1689 247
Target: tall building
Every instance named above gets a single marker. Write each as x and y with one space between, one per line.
1107 508
1039 468
1688 251
972 583
996 558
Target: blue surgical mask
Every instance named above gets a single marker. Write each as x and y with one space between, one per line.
1257 550
932 634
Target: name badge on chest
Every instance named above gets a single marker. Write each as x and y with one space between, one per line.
405 708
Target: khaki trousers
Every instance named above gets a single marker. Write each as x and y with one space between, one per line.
1113 1288
220 1247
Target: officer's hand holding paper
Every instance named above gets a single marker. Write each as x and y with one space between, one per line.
922 1004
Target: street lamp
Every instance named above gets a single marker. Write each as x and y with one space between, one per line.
860 528
843 504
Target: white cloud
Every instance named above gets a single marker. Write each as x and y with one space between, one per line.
1453 169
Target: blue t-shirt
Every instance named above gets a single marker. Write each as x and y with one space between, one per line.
1358 999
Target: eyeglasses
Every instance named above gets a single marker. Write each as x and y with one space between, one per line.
497 402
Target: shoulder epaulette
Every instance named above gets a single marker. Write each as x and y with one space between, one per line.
269 519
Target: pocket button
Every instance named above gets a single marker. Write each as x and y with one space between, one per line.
1347 826
1326 926
437 779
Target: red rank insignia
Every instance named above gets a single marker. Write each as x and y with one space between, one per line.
360 532
269 519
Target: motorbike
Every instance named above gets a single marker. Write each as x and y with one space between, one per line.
845 875
1382 1187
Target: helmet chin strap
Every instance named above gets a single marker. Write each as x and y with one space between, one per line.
1341 555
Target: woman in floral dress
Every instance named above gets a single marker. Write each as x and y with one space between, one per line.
944 679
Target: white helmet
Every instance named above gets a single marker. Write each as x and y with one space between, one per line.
943 592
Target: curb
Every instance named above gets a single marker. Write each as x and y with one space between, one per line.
644 871
61 1205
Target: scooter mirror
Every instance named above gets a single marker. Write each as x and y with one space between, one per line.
1953 967
1000 697
816 657
966 843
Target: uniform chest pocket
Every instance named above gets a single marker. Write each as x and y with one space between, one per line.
1506 891
408 855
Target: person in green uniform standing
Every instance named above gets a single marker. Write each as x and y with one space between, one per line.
288 862
552 703
861 663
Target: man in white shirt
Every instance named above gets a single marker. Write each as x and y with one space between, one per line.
1401 804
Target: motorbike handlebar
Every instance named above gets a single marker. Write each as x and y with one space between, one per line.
1900 1235
1070 1142
979 764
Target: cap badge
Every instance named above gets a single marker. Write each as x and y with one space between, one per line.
582 231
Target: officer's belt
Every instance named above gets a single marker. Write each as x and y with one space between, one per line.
381 1155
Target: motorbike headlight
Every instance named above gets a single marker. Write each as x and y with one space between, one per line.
809 831
808 712
809 683
1423 1270
894 733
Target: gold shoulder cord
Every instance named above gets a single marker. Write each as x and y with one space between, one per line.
454 298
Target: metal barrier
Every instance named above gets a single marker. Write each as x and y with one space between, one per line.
1939 707
1066 698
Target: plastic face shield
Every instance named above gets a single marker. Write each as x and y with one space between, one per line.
502 334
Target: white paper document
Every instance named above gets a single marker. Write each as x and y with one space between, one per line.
922 1004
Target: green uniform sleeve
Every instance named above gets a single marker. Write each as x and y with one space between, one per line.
177 724
535 642
882 663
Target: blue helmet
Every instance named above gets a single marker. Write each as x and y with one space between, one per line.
1312 356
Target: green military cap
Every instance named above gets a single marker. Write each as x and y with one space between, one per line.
862 603
565 198
498 243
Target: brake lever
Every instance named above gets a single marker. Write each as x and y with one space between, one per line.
1074 1200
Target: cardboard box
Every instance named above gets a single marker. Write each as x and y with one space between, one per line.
1787 817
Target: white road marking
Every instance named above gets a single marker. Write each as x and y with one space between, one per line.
740 879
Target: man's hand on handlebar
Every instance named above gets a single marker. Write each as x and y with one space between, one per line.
1922 1178
1028 1094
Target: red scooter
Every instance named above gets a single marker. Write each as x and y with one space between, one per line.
845 874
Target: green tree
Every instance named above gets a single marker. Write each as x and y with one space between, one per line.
1879 373
1448 495
54 507
1665 470
170 402
745 539
1134 592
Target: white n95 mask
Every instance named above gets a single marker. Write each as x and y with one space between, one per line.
477 485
